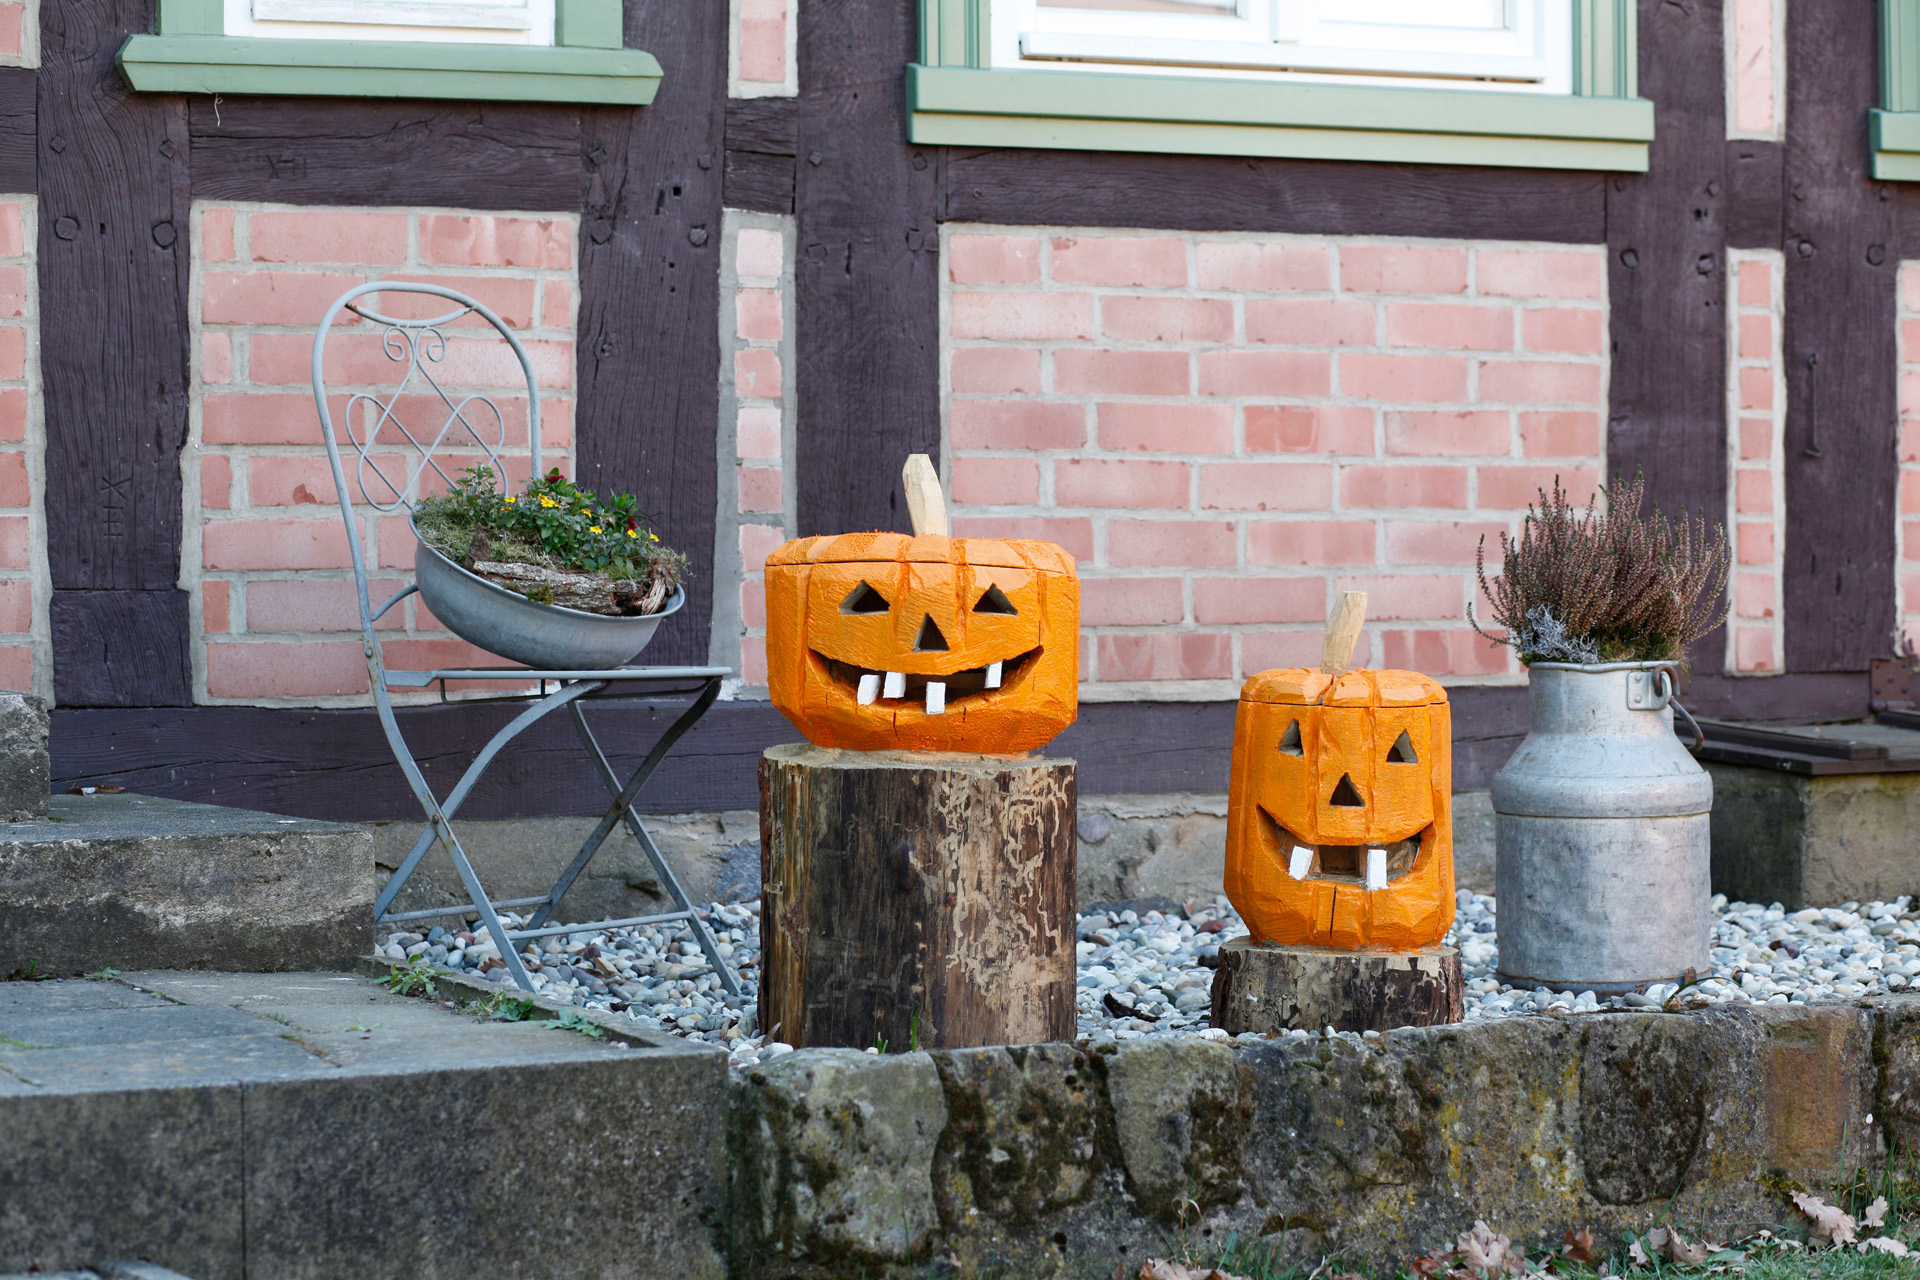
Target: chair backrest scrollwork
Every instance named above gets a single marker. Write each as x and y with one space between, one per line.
398 438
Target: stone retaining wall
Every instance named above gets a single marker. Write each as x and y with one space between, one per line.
1050 1161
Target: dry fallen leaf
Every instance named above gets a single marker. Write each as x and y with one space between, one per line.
1679 1250
1637 1255
1488 1252
1579 1246
1162 1269
1876 1214
1886 1244
1830 1225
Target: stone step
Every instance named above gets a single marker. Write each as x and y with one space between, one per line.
133 1270
316 1124
25 773
137 882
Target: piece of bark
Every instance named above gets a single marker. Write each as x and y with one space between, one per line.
1268 989
589 592
924 900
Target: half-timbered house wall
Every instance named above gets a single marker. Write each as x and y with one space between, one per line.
1231 385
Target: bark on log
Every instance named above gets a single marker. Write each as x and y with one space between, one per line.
588 592
1267 989
923 899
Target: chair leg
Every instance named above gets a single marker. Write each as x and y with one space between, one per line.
623 810
455 798
509 954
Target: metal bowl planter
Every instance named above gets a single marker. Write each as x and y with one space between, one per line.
543 636
1601 830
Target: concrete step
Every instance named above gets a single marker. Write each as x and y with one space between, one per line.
137 882
317 1125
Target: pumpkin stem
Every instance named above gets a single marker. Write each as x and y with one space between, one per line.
1343 632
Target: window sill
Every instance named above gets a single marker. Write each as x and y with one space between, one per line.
1894 137
1072 110
396 69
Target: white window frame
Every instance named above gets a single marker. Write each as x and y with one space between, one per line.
1293 40
513 22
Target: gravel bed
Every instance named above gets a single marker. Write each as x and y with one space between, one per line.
1146 973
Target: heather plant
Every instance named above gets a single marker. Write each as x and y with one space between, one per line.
1606 586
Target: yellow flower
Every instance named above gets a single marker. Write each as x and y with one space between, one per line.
545 501
511 499
593 528
632 534
653 537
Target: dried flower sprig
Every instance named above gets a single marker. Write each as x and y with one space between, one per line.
1606 586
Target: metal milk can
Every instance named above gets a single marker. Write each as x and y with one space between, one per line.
1602 877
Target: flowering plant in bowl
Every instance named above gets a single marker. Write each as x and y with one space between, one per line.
553 543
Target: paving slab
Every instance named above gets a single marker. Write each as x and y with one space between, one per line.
316 1125
138 882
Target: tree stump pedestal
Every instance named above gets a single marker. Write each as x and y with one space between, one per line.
916 899
1267 989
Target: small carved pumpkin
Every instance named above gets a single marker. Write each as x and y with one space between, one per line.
1338 829
881 641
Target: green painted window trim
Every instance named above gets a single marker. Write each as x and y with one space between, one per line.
954 98
1893 131
190 54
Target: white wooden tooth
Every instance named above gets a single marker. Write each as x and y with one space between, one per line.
993 675
1376 869
869 688
936 697
1301 863
896 685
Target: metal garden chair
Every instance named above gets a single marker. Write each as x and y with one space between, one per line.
467 420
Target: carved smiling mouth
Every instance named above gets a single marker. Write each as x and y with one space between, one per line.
895 689
1371 866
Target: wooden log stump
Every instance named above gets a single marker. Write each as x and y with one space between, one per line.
922 899
1268 989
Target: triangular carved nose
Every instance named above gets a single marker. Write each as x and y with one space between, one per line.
929 640
1344 794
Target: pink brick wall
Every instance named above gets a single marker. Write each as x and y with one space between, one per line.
754 517
1227 430
1756 470
20 32
1756 66
267 553
24 649
1908 573
762 49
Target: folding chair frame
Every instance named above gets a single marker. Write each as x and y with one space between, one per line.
418 344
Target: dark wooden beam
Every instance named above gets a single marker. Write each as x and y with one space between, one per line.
649 329
867 291
762 147
359 151
1843 260
1754 170
1234 193
113 246
1666 277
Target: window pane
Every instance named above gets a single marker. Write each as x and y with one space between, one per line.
1203 8
1474 15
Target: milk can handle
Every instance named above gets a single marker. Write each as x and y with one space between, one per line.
1699 734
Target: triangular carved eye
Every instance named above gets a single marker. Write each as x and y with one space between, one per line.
995 601
1402 750
1345 796
864 599
1290 740
929 640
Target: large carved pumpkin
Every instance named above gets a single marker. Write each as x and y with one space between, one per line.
1338 830
879 641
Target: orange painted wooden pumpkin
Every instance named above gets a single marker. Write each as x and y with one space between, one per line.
881 641
1338 826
